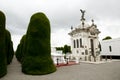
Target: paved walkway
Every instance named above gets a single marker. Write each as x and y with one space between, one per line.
82 71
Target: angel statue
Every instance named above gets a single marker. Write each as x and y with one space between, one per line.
83 13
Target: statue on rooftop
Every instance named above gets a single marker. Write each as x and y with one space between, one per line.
83 13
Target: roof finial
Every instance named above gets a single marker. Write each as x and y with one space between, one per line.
92 21
93 24
71 27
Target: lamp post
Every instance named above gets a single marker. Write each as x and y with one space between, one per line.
57 61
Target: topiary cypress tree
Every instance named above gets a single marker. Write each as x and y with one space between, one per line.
9 47
6 46
37 58
20 49
3 59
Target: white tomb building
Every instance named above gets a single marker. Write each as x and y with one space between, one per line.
110 48
84 41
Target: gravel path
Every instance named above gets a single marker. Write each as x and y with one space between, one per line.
83 71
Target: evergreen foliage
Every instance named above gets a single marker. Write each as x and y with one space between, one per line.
59 48
3 64
6 46
3 60
9 47
37 58
66 49
107 38
20 49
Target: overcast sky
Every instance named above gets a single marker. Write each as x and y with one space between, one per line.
62 15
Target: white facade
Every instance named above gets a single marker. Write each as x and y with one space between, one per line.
110 47
57 55
84 39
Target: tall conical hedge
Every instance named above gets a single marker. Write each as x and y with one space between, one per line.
37 58
6 46
9 47
20 49
3 59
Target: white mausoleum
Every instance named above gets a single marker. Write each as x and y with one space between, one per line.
110 48
84 40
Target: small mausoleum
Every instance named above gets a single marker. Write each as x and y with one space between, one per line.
110 48
85 41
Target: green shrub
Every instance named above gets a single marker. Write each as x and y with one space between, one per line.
107 38
20 49
37 58
3 60
9 47
6 46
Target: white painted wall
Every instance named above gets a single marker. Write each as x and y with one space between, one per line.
57 55
115 46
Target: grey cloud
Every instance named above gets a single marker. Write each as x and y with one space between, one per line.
15 23
62 14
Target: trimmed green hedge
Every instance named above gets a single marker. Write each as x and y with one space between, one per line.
9 47
6 46
3 60
37 59
20 49
34 50
38 65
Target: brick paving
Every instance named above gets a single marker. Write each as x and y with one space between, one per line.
82 71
